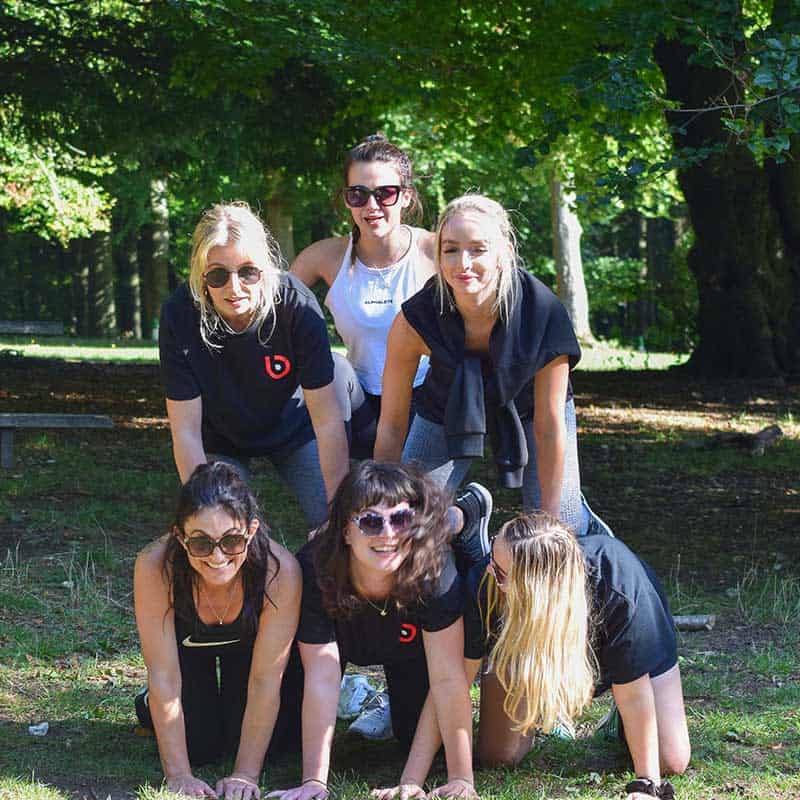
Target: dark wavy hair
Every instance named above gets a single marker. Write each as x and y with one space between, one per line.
219 485
373 483
377 147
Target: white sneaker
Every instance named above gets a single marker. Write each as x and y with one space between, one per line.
354 693
375 721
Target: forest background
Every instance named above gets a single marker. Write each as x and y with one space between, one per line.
666 133
666 130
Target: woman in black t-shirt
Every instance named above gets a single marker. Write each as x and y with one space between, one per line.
217 605
247 366
501 348
380 587
563 619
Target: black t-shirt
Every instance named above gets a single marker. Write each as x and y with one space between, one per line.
634 633
251 386
538 331
368 638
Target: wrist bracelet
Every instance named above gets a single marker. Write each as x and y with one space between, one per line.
315 780
240 779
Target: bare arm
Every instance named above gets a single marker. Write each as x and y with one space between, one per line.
185 425
444 652
403 350
320 261
427 251
326 417
637 708
550 430
156 623
427 741
276 630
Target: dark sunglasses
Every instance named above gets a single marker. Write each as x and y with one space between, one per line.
371 522
216 278
358 196
231 544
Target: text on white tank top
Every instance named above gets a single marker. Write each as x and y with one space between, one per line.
364 303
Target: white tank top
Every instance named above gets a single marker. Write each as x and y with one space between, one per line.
364 303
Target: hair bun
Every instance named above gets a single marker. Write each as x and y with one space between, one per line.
375 137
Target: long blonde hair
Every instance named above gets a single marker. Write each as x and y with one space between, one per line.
542 657
224 224
497 216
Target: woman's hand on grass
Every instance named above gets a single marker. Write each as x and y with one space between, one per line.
308 790
189 786
405 791
457 787
238 787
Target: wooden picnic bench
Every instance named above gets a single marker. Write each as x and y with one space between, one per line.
10 422
37 328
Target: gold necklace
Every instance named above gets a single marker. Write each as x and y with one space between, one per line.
221 619
382 611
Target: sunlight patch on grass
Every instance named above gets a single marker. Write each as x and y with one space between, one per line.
603 357
27 789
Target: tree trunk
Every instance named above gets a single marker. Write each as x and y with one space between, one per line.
80 286
154 253
744 288
785 186
281 224
567 233
126 260
102 308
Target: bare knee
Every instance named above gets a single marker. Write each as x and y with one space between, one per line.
349 393
676 761
507 755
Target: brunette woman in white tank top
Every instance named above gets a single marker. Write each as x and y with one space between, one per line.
371 272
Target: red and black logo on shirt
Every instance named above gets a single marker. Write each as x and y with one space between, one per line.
408 633
277 366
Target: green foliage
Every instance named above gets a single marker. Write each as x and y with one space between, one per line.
49 188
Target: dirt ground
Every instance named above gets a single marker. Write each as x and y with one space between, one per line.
706 514
700 517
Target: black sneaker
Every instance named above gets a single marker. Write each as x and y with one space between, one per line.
143 708
471 545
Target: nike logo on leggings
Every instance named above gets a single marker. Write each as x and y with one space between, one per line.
187 642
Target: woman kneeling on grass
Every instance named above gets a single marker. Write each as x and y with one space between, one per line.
380 587
217 593
563 619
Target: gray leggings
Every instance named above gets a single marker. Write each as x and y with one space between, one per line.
299 469
426 444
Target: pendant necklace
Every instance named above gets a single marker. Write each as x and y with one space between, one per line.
221 618
385 273
382 611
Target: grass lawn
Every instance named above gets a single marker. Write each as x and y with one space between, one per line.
602 357
718 526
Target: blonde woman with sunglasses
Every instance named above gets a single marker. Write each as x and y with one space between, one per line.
562 619
217 604
247 366
371 272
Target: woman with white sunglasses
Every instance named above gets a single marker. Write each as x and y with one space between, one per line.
371 272
380 586
247 366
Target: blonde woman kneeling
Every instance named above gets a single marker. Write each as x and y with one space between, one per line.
563 619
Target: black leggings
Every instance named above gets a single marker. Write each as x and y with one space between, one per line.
213 709
407 685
